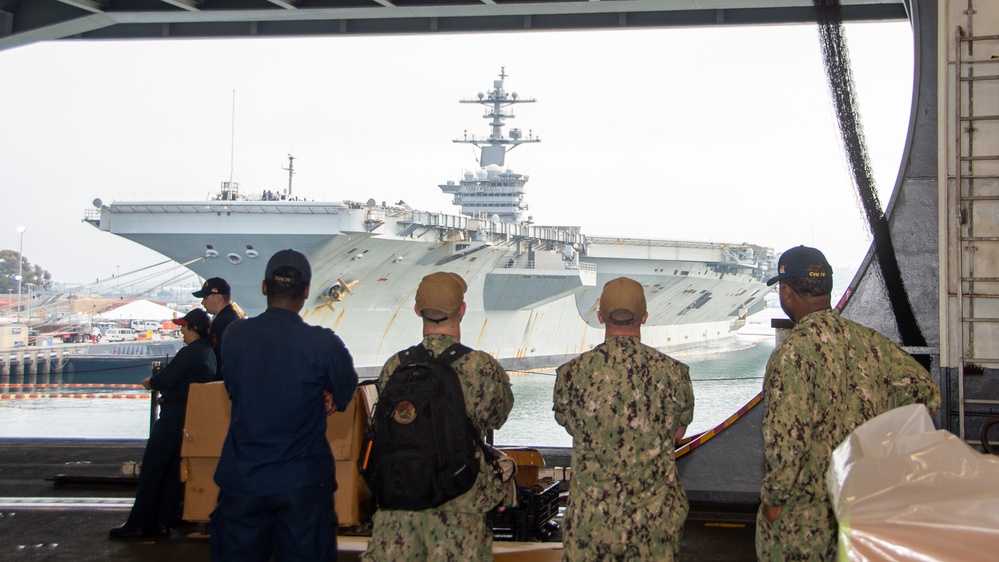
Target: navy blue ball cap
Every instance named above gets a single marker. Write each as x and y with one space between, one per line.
801 261
197 317
289 267
213 286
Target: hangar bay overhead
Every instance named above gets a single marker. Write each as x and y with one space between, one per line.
27 21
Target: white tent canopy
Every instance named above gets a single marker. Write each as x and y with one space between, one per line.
141 310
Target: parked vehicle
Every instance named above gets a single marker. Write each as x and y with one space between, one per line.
80 334
120 334
142 326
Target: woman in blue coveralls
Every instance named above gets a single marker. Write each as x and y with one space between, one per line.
158 499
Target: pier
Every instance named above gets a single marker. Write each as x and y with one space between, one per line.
35 365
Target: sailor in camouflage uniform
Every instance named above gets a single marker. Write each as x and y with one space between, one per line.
625 405
455 530
827 377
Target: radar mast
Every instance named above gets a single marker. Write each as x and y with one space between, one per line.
493 190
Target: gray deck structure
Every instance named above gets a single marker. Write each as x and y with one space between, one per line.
28 21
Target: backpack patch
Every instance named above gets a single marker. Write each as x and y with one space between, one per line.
419 451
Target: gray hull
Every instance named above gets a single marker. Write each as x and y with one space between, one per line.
531 303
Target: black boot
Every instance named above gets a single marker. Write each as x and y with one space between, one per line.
126 531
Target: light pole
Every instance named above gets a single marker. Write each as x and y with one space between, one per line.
20 262
30 285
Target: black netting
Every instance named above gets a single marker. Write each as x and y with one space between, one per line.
838 71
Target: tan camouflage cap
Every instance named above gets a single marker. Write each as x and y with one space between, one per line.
622 294
443 291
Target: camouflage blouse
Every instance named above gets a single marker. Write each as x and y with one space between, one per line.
829 376
622 402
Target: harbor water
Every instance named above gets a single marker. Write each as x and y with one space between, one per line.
723 382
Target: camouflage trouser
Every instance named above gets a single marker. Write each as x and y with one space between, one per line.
802 532
429 535
608 532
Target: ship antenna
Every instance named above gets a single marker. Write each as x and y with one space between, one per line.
232 136
291 172
498 101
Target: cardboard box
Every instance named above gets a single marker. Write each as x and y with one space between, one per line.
200 491
540 553
345 432
205 428
206 421
529 461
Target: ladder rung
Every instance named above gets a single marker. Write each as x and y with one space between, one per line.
980 238
982 77
981 359
966 118
981 198
976 320
979 158
980 280
970 38
980 401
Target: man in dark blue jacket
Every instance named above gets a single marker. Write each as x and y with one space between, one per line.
216 297
276 475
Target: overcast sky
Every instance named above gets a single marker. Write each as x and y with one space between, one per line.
716 134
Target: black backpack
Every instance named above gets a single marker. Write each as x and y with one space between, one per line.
419 450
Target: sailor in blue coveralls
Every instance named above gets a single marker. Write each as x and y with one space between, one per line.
158 499
276 475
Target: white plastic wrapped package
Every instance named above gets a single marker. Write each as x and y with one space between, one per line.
902 490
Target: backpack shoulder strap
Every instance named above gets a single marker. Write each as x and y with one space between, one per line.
414 354
454 353
451 355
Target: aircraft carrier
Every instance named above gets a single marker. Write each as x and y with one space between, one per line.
533 289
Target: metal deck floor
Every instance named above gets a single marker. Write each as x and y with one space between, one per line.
40 520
